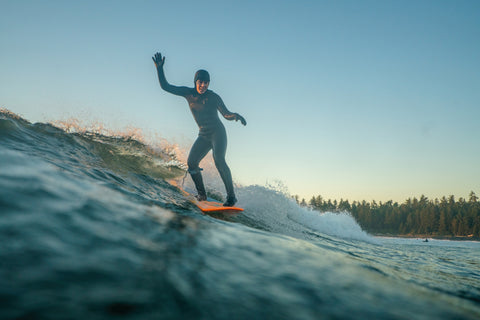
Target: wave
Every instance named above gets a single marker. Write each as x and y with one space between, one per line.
125 160
67 142
91 228
275 210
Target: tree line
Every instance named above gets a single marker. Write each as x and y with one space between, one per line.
445 217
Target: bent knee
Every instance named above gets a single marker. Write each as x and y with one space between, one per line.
192 163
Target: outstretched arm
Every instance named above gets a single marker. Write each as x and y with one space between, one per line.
159 62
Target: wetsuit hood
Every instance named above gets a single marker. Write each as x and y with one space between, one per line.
201 75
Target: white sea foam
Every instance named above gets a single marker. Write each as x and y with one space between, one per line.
280 213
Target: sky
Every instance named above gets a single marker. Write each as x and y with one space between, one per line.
360 100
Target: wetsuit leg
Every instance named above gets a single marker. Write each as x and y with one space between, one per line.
198 151
219 146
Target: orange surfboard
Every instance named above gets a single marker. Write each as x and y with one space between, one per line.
210 205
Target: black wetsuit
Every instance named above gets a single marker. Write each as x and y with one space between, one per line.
212 134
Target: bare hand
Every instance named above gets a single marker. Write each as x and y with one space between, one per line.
158 60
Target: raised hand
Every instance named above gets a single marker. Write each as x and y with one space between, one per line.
158 60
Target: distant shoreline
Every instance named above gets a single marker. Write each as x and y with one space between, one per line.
428 236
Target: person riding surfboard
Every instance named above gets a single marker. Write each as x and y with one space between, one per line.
204 105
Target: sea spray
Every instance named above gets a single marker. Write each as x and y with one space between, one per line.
338 224
278 211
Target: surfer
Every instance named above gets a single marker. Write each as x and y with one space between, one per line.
204 104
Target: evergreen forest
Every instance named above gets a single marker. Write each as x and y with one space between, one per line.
442 218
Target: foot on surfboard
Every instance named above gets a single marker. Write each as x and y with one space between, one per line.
230 202
201 197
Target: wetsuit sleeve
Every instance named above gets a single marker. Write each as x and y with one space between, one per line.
179 91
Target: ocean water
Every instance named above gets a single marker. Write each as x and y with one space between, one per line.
91 229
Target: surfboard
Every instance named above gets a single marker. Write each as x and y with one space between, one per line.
210 205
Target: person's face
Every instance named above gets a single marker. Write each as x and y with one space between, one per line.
202 86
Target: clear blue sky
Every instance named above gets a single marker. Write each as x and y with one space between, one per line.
346 99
